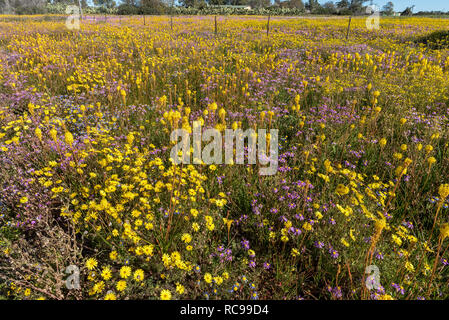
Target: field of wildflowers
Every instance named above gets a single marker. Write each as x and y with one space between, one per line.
91 207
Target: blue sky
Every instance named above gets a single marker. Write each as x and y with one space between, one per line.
420 5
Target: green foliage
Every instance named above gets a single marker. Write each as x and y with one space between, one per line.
436 40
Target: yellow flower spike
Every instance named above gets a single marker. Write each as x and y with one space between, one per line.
228 224
31 108
407 162
444 231
38 133
270 116
123 94
162 101
435 136
443 191
297 99
400 171
130 138
213 106
68 138
380 224
54 134
294 252
222 114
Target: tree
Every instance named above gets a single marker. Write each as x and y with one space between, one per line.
105 4
313 5
296 4
217 2
408 11
5 7
356 6
128 9
238 2
329 8
388 9
188 3
259 3
154 6
343 4
68 2
23 6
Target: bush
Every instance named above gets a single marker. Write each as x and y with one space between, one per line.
27 10
127 9
435 40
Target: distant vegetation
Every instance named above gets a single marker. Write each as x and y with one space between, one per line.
202 7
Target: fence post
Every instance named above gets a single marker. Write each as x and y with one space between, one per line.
144 22
216 29
349 28
81 9
268 24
